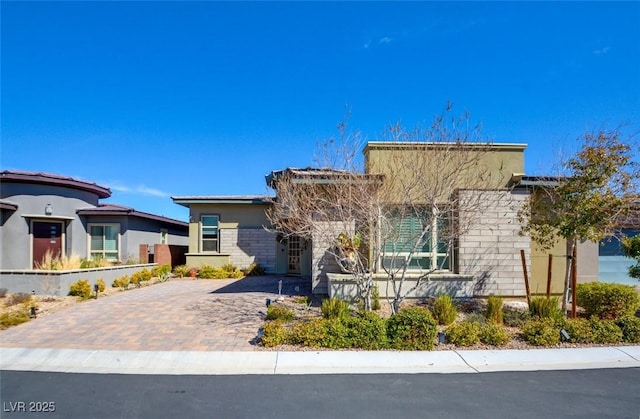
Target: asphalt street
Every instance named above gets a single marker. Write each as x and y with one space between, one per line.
604 393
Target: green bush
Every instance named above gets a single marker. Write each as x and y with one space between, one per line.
366 331
160 271
181 271
334 308
607 301
413 328
224 272
100 284
545 308
81 288
274 333
494 334
630 327
465 333
279 312
494 313
121 282
605 331
443 310
541 332
312 333
254 270
579 330
137 278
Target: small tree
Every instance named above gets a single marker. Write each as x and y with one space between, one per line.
388 216
596 191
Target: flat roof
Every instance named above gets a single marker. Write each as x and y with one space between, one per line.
434 144
187 200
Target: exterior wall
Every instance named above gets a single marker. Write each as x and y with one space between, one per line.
322 262
249 245
15 239
169 254
58 282
540 268
587 254
501 160
490 249
242 237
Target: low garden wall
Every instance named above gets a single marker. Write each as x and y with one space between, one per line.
58 282
344 287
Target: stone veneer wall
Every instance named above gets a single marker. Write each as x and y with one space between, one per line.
490 249
249 245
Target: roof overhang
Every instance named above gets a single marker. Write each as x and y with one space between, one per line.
116 211
414 145
54 180
187 201
48 217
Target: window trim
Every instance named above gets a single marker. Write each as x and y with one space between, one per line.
91 252
201 238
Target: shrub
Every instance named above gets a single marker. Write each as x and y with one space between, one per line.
494 313
279 312
579 330
443 310
375 298
231 271
465 333
15 318
312 333
209 272
274 334
607 301
181 271
413 328
494 334
19 298
81 288
301 299
121 282
160 271
514 317
334 308
94 263
605 331
3 292
366 331
541 332
630 327
137 278
254 270
100 284
545 308
477 318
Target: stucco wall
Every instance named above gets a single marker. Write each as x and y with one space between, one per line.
15 243
490 249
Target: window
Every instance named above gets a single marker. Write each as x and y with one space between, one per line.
420 235
209 233
104 241
164 236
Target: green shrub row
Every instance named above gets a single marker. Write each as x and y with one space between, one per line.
81 288
547 332
444 310
223 272
607 301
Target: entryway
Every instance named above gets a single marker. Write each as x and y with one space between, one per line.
47 238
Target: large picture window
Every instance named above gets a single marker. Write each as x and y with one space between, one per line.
417 237
209 233
104 241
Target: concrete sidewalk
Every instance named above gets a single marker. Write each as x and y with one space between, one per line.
313 362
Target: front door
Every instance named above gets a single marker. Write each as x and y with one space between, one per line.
47 238
294 254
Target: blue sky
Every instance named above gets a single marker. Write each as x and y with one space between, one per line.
155 99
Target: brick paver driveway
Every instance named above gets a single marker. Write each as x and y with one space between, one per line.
207 315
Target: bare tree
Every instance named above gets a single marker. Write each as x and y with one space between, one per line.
400 216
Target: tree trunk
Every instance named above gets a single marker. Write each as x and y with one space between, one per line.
567 278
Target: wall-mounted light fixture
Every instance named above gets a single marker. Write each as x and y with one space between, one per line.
48 210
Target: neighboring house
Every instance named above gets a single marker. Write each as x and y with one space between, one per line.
43 212
235 229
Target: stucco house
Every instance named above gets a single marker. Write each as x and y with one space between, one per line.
42 212
485 260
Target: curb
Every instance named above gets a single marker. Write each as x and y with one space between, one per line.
319 362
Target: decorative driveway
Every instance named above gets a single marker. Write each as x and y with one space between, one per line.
179 315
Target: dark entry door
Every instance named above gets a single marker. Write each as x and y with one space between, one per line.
47 237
